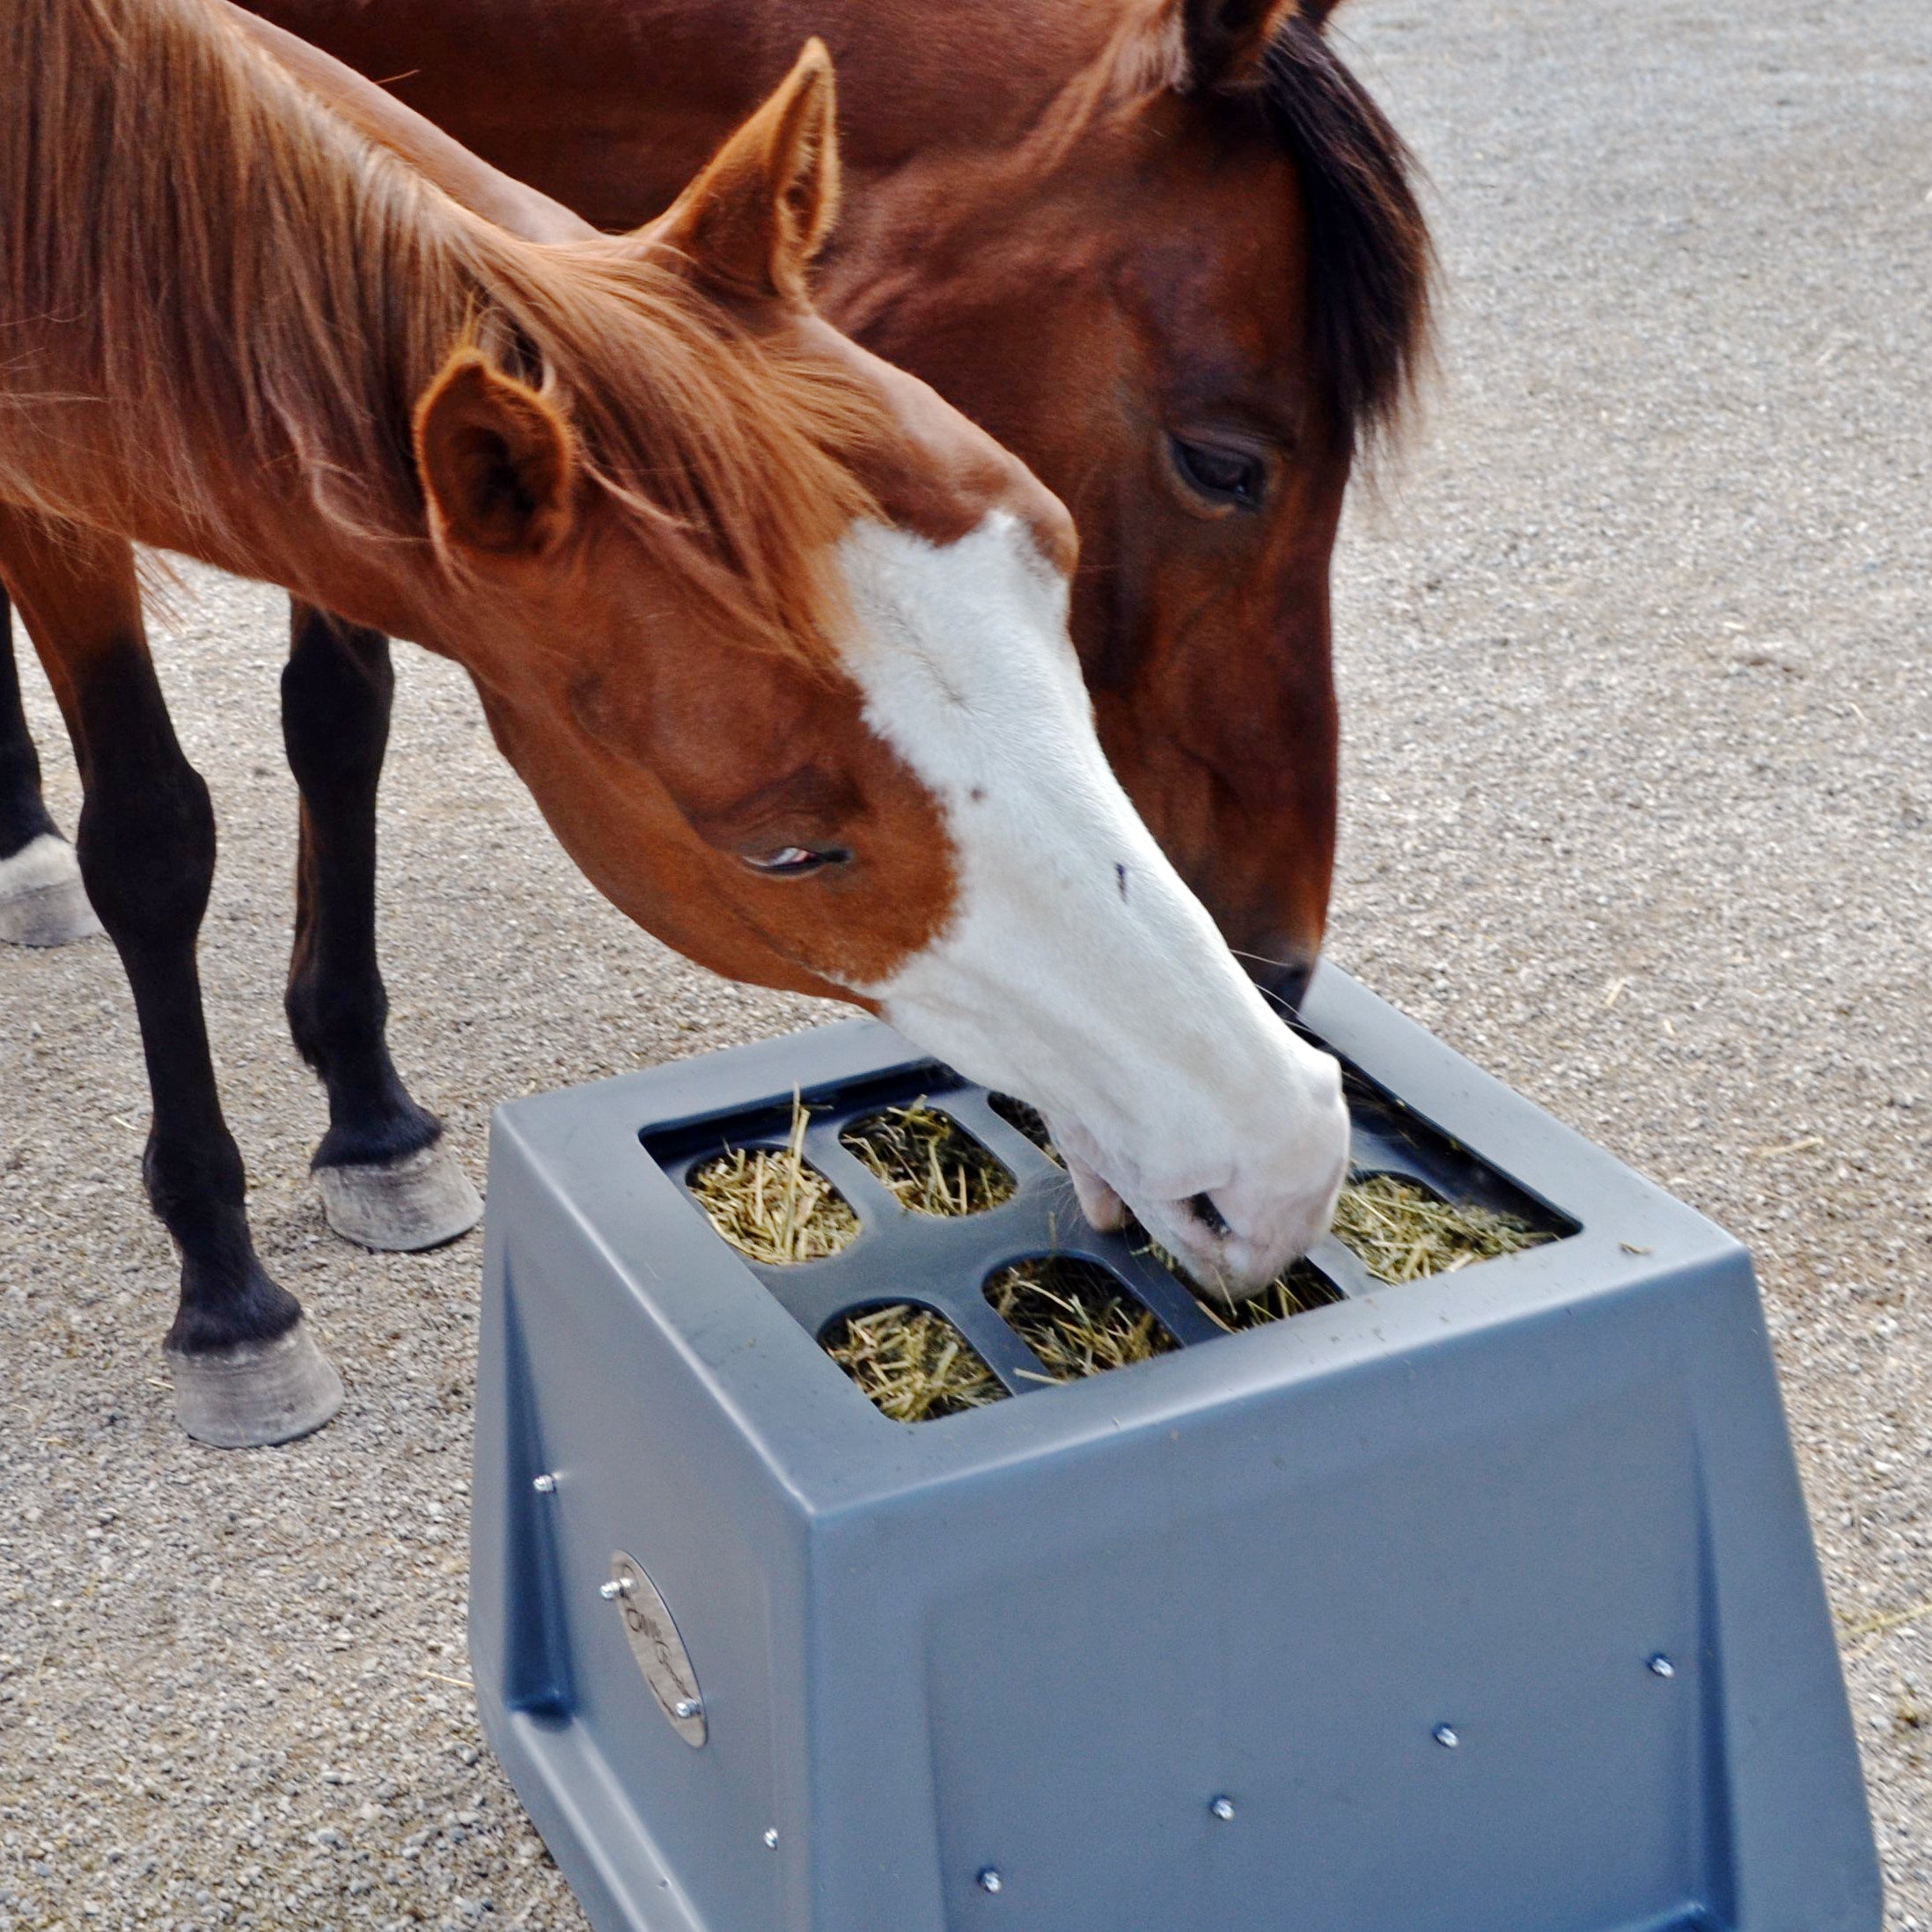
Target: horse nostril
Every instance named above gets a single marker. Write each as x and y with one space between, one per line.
1210 1218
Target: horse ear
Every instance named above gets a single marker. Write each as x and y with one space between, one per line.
755 217
1224 39
495 460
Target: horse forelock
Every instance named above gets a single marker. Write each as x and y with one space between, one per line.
250 284
1371 262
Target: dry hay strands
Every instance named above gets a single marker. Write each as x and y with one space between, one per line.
772 1204
1076 1318
1294 1291
1298 1288
1401 1231
931 1163
911 1362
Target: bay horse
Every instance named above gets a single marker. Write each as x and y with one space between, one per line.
1166 251
777 640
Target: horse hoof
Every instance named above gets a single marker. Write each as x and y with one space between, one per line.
42 901
419 1202
256 1393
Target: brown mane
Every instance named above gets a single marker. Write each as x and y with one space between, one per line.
191 239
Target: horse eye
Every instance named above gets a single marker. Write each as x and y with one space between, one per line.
1221 475
792 860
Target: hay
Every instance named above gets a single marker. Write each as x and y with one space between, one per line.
1402 1231
1293 1292
1029 1121
1399 1229
772 1204
1076 1318
931 1163
913 1363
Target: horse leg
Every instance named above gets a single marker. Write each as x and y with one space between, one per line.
43 902
386 1178
244 1367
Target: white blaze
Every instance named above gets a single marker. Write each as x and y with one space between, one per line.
1078 972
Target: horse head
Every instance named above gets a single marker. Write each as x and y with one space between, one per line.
819 724
1183 296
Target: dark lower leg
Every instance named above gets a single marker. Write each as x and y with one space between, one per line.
245 1370
147 854
41 901
336 690
23 813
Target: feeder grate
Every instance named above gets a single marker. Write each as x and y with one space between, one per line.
1004 1289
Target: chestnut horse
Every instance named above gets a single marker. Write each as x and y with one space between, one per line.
1166 251
776 639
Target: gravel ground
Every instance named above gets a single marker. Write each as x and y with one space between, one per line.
1639 815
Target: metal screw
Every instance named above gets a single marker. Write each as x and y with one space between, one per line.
1444 1735
1661 1666
618 1586
688 1707
544 1484
990 1880
771 1838
1222 1809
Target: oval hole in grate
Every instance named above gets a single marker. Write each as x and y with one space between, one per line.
773 1205
1294 1291
1297 1289
1401 1230
931 1163
910 1362
1023 1115
1078 1319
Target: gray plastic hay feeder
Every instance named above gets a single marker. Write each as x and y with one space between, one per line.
1485 1604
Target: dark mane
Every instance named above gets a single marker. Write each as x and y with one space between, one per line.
1371 260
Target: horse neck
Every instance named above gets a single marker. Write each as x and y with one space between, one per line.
983 86
486 191
638 126
168 180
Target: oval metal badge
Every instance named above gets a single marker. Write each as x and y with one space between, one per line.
660 1650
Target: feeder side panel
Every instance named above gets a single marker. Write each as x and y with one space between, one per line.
636 1441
